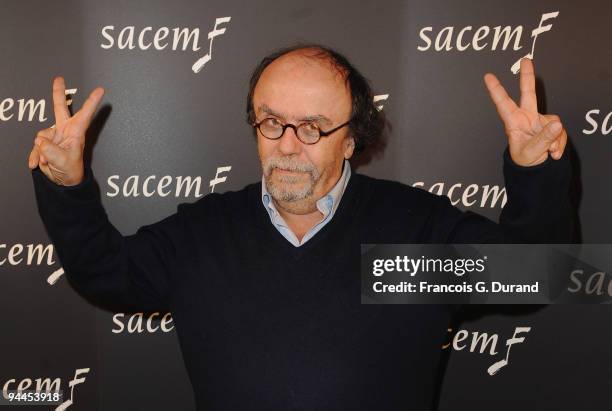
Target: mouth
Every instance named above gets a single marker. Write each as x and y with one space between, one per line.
285 171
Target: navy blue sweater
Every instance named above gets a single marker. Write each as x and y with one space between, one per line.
265 325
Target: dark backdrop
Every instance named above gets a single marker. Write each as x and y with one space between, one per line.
160 118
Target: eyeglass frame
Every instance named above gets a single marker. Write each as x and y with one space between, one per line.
295 129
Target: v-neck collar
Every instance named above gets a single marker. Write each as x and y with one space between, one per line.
347 208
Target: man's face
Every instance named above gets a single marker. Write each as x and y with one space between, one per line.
296 89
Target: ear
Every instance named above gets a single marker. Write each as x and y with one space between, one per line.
349 147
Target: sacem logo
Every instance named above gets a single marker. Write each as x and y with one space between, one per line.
30 254
482 38
485 343
162 39
594 118
379 98
138 324
27 109
597 283
153 186
468 195
47 385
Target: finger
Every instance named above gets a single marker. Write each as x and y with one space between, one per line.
46 169
52 152
39 157
544 139
504 104
544 119
556 143
561 144
527 84
33 158
47 133
52 134
84 115
36 158
37 142
60 108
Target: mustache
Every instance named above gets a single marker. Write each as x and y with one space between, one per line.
287 163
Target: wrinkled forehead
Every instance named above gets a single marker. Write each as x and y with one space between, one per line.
297 85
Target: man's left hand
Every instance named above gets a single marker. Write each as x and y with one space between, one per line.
531 135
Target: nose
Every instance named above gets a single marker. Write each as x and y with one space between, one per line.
289 143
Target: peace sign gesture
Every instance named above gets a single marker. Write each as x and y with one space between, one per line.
531 135
58 150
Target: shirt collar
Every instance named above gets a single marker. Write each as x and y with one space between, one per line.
328 204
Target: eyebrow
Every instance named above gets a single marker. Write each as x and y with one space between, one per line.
315 117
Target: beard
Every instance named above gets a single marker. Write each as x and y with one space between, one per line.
290 187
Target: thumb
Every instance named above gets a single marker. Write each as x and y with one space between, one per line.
544 139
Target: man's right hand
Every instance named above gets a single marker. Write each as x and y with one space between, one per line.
58 150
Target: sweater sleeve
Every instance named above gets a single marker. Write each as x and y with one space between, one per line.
538 208
121 272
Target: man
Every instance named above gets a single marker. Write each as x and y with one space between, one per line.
263 283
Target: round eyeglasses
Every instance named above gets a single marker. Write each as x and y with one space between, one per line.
307 133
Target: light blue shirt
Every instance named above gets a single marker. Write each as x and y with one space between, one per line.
328 204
